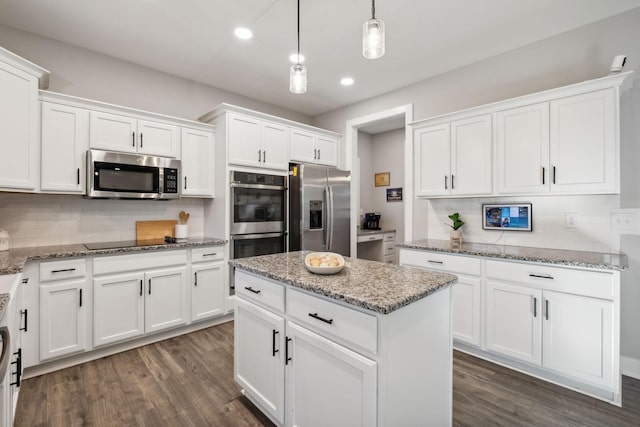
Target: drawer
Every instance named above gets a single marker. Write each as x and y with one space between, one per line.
389 237
389 259
370 237
439 261
389 249
334 320
138 262
262 291
211 253
58 270
582 282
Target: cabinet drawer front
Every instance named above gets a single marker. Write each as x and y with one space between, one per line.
389 249
389 259
334 320
369 237
213 253
438 261
261 291
66 269
138 262
389 237
588 283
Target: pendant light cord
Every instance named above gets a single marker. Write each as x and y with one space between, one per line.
373 9
298 32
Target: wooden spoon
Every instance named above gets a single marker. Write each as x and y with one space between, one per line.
184 217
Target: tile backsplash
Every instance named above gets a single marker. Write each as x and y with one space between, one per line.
44 219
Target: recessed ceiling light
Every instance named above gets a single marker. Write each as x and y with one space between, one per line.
346 81
243 33
294 58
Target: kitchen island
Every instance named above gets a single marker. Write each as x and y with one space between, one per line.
370 345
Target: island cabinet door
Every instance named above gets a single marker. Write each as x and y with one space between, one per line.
259 357
327 384
514 322
466 310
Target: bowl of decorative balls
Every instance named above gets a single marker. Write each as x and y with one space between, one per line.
324 262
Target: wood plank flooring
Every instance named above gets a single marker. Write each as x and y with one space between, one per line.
188 381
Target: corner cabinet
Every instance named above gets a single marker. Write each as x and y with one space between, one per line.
561 141
19 122
197 163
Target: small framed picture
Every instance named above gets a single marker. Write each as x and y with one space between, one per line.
394 194
382 179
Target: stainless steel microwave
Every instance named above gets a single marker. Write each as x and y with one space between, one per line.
131 176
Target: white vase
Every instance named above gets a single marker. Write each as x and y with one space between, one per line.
455 237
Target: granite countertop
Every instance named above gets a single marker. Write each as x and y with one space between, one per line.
13 260
565 257
376 286
364 232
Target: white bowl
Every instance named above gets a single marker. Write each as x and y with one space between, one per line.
324 270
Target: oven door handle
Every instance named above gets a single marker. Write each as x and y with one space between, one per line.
258 186
257 236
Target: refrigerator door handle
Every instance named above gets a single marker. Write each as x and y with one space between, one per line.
330 213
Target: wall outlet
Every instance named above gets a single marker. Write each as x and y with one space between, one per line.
571 219
623 221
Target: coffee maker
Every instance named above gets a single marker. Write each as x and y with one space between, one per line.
371 221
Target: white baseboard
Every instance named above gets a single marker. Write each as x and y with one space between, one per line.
630 367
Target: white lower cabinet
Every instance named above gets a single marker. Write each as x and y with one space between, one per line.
165 304
327 382
208 291
62 318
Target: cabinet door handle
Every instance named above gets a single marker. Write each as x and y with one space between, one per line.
259 156
250 289
141 140
63 270
446 181
322 319
543 170
546 309
195 275
140 287
149 286
26 319
318 154
185 182
80 297
286 350
133 139
314 153
78 176
554 175
452 182
541 276
535 307
435 262
273 343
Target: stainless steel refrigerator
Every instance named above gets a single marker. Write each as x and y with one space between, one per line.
319 209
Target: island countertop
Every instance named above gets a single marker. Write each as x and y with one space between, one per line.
565 257
375 286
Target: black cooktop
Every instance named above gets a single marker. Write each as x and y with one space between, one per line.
128 244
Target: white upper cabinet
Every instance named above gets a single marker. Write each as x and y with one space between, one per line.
454 159
583 143
115 132
311 147
64 145
197 163
523 149
18 128
258 143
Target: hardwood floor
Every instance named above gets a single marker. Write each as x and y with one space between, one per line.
188 381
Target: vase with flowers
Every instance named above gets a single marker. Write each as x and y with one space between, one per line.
455 237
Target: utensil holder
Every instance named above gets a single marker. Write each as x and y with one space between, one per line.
182 231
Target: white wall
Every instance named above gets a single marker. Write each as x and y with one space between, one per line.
45 219
578 55
87 74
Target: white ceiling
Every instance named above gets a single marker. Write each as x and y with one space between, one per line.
194 38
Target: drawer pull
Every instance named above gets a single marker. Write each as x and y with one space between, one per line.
541 276
322 319
250 289
213 254
435 262
63 270
286 350
273 342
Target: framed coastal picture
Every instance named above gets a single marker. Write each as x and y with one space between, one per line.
394 194
382 179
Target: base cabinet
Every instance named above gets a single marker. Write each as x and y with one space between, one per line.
118 308
207 291
165 304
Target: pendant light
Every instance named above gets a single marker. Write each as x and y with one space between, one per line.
298 72
373 36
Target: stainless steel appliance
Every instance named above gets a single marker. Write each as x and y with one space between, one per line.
131 176
319 209
258 215
371 221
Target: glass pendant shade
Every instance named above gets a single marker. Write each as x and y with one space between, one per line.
298 79
373 39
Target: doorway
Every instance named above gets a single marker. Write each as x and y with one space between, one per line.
384 141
